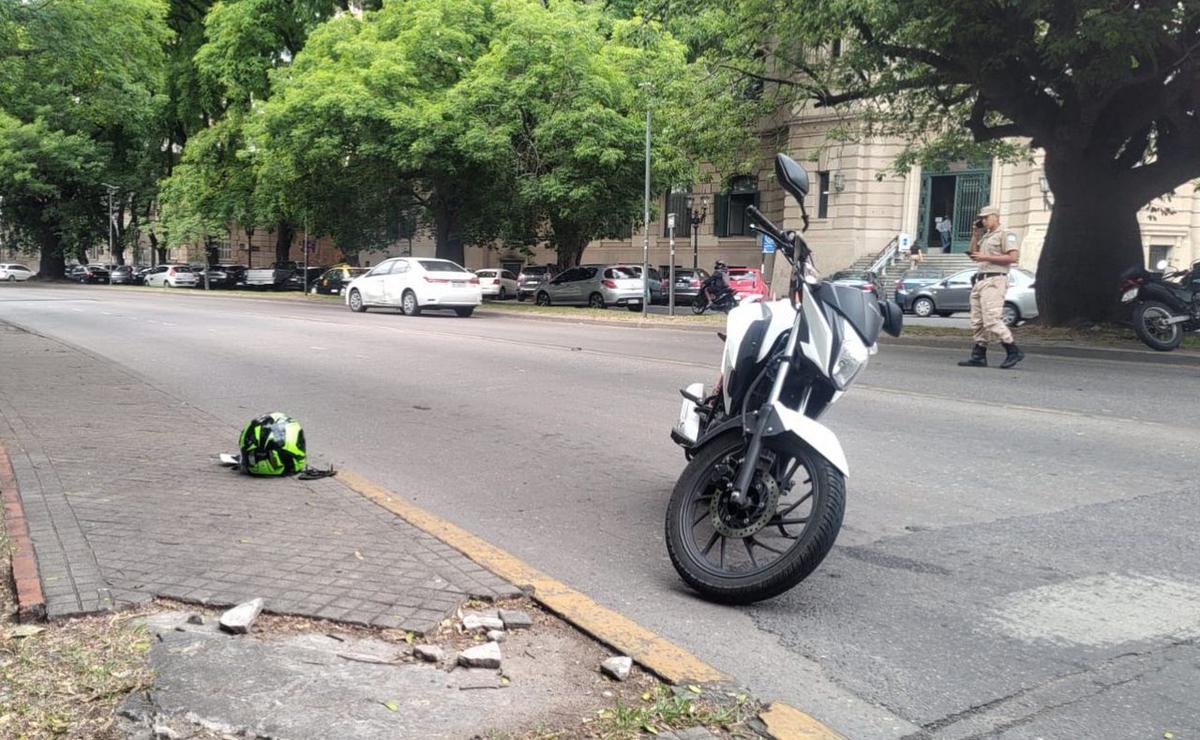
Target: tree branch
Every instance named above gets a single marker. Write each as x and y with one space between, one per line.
981 131
913 53
1134 149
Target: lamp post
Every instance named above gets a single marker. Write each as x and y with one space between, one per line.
697 218
646 206
112 221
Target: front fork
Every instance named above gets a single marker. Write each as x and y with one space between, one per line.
762 419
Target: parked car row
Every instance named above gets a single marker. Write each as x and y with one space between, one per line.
928 293
327 280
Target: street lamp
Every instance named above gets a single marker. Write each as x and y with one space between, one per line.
112 221
697 218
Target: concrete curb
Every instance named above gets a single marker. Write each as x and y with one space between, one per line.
1179 358
31 602
656 654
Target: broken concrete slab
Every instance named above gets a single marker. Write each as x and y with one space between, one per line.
295 686
496 635
240 618
429 653
514 619
486 655
617 667
480 623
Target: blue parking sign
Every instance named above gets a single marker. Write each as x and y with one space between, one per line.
768 245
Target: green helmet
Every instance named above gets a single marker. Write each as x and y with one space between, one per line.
272 445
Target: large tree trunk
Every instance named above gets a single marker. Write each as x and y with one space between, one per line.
449 244
53 263
1093 237
283 241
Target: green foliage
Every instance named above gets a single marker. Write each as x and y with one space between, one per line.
81 95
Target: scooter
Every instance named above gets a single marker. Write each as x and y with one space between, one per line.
760 502
725 302
1165 305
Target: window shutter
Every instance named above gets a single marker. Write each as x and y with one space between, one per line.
721 214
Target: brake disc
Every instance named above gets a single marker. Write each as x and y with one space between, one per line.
750 521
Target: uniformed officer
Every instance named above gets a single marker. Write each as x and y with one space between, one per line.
995 250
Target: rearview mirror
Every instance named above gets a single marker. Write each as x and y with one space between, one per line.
791 176
1162 265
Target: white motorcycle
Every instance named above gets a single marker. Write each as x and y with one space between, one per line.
760 503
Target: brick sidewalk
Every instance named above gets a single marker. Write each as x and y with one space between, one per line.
124 502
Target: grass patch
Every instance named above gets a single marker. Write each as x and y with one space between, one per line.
663 710
603 314
66 680
292 295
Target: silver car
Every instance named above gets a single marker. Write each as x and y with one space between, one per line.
953 295
597 286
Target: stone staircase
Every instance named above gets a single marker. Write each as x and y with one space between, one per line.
947 264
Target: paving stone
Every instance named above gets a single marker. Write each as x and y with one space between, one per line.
515 619
239 619
486 655
496 635
429 653
617 667
475 623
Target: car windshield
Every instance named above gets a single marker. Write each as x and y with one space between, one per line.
622 273
486 273
440 266
534 271
182 268
741 275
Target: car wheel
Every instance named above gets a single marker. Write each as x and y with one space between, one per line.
595 300
923 307
1010 315
543 299
465 312
503 294
356 302
12 278
409 305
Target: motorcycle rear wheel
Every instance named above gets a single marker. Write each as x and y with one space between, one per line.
699 505
699 306
1148 318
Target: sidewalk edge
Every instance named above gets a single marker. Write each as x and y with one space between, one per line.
656 654
31 603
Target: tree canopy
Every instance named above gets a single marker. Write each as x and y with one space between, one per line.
1109 90
81 97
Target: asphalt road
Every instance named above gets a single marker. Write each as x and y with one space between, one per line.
1018 557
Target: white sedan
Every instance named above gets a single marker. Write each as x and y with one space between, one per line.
414 284
171 276
496 283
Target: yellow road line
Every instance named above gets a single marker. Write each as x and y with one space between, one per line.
656 654
788 723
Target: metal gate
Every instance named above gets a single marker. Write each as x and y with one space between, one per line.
971 191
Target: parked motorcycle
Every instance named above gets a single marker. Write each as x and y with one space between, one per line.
760 502
1165 305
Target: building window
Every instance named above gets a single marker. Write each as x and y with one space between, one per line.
730 207
677 203
224 252
823 194
1158 253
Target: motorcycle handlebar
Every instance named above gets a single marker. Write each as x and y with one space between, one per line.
766 226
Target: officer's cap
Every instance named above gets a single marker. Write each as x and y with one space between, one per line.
989 211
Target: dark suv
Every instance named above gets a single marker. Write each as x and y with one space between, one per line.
88 274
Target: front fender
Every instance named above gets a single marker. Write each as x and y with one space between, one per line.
1157 292
787 424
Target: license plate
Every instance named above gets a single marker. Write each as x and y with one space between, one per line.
635 301
1129 296
689 416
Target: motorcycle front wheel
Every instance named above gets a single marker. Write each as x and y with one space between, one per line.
787 526
699 306
1150 324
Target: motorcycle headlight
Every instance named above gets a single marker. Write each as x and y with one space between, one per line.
851 360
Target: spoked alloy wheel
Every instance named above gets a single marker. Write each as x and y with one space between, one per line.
739 555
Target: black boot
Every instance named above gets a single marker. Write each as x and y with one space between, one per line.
978 357
1013 357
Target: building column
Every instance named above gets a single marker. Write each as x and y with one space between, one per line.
1194 236
912 201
